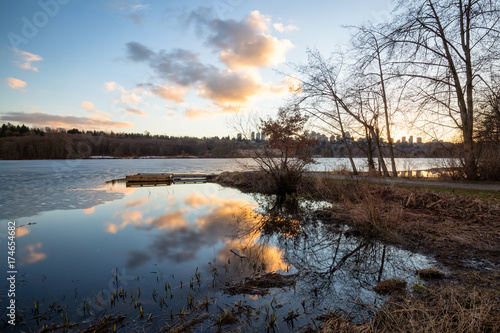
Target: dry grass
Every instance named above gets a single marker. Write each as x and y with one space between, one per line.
390 286
448 308
430 273
443 308
260 285
105 324
246 181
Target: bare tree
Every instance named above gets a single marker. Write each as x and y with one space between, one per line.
442 47
321 85
370 52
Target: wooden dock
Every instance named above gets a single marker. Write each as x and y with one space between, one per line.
154 179
149 177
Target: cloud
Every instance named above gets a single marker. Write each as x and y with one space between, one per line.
181 66
111 86
20 232
45 119
244 43
229 86
133 10
171 220
170 93
127 96
33 256
26 60
136 111
136 203
138 52
16 83
87 105
185 71
89 211
243 47
137 258
282 28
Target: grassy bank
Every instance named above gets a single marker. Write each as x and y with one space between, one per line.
461 230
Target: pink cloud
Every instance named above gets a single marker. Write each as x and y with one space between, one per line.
16 83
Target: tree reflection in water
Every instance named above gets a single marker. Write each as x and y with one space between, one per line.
334 267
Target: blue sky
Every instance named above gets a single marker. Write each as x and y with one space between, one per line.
167 67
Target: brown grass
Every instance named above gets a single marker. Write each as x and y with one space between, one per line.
390 286
430 273
105 324
260 285
246 181
448 308
442 308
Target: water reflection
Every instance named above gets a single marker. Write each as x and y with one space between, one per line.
31 254
332 265
161 236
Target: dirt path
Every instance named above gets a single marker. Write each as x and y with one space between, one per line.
415 182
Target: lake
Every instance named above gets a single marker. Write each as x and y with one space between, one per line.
86 247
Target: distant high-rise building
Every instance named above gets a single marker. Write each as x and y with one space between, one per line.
403 139
253 136
257 136
238 136
410 140
419 140
263 137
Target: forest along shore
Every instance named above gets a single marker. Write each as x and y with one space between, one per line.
461 232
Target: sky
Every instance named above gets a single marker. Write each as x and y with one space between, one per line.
178 68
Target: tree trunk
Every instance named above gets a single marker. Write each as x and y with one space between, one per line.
379 151
344 138
386 113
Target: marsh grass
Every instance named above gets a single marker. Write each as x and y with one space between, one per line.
447 308
442 308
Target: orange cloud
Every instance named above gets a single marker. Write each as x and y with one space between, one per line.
26 60
229 87
87 105
89 211
171 220
16 83
246 44
170 93
20 232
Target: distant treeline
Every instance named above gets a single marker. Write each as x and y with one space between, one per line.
22 142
